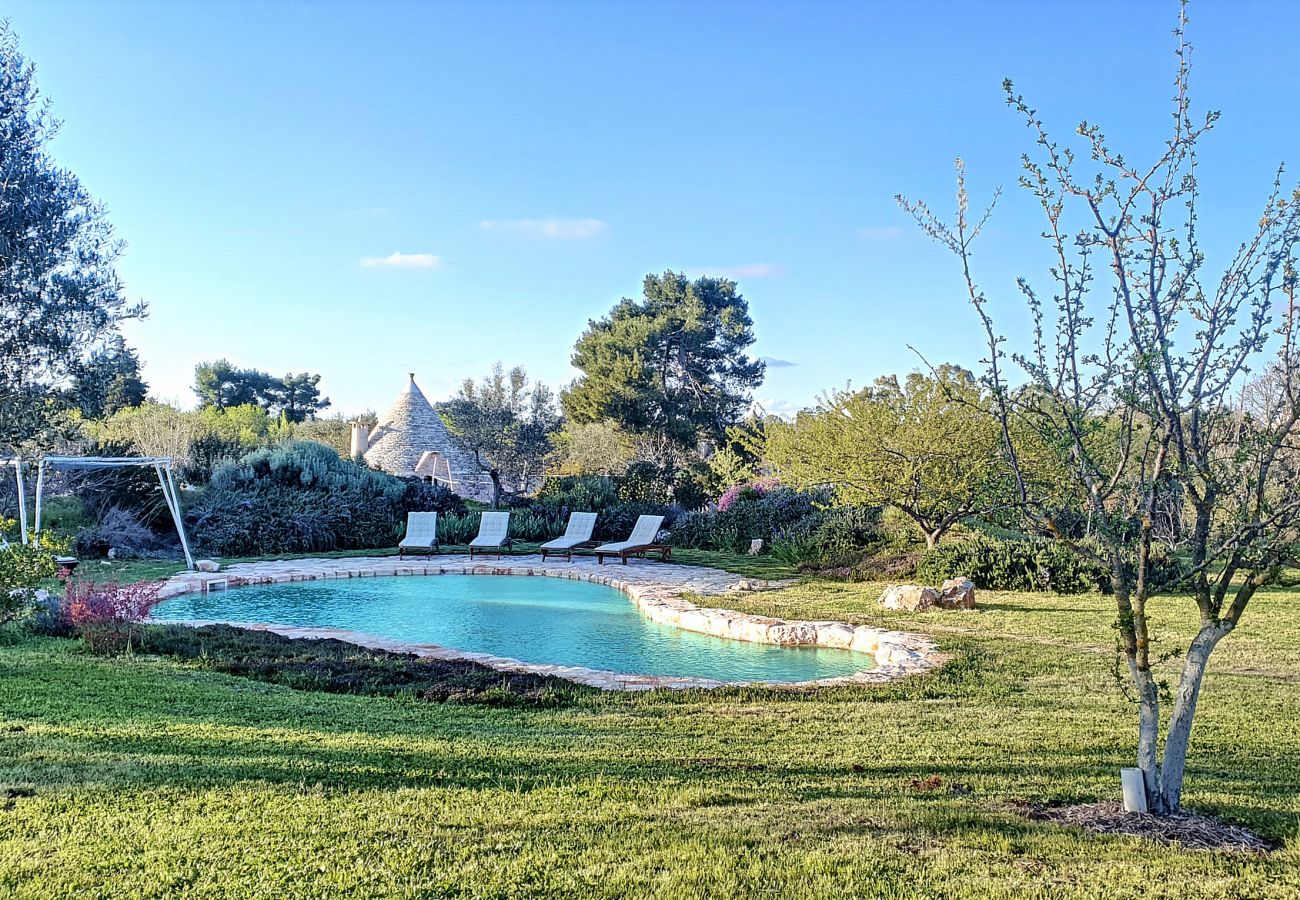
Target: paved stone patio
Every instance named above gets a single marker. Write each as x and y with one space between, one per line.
659 589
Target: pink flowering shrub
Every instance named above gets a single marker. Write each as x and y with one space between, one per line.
752 491
107 615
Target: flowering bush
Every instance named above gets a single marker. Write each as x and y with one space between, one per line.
107 615
755 490
58 544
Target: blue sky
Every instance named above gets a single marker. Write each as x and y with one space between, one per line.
362 189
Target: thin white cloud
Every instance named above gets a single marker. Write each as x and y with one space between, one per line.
749 270
772 407
881 234
397 260
551 229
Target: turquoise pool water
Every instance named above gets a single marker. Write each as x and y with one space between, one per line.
536 620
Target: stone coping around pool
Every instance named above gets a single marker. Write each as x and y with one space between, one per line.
658 589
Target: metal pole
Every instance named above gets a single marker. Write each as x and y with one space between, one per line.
180 518
22 499
168 484
40 489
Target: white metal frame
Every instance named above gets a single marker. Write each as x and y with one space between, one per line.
162 465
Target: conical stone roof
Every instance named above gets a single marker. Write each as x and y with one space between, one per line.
410 432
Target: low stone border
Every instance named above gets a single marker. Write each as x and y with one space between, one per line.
658 589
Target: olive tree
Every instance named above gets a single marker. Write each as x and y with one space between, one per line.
60 298
1133 378
508 425
927 447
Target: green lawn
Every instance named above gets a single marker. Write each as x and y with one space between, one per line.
147 777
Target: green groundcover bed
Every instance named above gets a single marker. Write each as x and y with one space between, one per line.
161 775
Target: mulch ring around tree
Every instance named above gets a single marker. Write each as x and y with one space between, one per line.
1186 829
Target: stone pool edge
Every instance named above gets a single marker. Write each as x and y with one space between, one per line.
657 589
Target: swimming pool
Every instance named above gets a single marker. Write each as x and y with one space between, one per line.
534 620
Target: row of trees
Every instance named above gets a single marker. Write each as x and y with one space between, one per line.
222 385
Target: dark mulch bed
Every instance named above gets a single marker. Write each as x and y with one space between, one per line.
1187 829
342 668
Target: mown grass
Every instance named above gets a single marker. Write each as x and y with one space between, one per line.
149 777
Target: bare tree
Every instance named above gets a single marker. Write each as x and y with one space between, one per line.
1138 391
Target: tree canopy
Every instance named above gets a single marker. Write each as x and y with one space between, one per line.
672 366
60 297
222 385
107 381
507 423
928 447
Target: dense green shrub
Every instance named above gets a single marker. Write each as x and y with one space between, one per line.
828 538
457 529
301 497
22 568
65 514
578 493
616 523
798 525
534 527
646 482
525 525
208 451
421 496
1031 564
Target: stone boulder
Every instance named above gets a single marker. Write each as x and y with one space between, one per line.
750 584
957 593
910 597
207 565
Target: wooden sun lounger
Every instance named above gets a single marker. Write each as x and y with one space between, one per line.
642 540
493 534
421 534
664 550
577 536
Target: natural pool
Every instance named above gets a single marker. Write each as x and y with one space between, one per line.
535 620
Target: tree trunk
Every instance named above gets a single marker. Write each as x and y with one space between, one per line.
1148 758
495 474
1163 774
1180 720
932 539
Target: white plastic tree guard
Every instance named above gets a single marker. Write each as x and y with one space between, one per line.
160 464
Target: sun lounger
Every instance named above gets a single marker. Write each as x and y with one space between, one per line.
493 533
421 534
643 540
577 536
